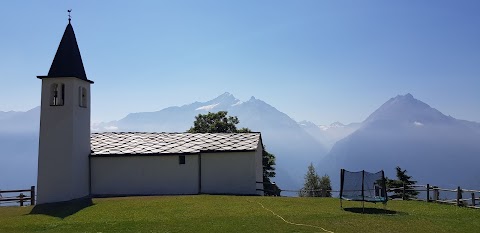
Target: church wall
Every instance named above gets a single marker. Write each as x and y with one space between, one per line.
144 175
229 173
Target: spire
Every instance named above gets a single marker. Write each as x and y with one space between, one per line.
67 61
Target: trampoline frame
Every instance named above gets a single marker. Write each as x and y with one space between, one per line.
376 199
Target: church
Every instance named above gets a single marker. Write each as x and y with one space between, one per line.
74 163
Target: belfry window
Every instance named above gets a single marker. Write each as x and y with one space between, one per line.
82 97
57 94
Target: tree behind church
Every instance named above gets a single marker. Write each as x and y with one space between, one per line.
219 122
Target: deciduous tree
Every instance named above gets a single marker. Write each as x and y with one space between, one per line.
220 122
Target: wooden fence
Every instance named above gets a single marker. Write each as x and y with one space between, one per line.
20 198
429 192
432 194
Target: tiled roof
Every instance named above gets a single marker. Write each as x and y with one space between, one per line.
119 143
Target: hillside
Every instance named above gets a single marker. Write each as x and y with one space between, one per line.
205 213
407 132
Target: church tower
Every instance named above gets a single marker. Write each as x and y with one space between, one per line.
64 147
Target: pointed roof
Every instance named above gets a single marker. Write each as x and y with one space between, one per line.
67 61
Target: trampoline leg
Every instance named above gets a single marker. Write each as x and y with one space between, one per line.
363 207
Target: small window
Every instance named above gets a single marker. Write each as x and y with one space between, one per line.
57 94
181 159
82 97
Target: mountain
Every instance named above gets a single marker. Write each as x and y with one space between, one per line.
294 148
406 132
12 121
19 148
328 135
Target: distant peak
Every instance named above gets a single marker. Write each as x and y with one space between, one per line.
407 96
405 108
226 95
337 124
225 98
252 98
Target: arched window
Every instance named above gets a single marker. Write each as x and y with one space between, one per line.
82 97
57 94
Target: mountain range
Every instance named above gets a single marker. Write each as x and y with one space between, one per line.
294 148
19 148
404 132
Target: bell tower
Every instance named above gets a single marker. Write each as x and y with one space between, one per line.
64 146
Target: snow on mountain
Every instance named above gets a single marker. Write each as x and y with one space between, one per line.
207 107
282 136
328 135
406 132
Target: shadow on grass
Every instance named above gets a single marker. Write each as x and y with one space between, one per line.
360 210
62 209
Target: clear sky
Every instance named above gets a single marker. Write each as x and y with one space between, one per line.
317 60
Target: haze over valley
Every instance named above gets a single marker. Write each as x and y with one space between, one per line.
404 131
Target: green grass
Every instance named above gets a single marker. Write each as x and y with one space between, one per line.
205 213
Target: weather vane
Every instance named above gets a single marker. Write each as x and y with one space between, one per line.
69 16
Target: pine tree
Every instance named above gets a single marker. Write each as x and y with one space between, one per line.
402 179
311 187
325 186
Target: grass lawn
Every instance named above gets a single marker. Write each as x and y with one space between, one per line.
206 213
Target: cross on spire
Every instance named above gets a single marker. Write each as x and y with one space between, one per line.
69 16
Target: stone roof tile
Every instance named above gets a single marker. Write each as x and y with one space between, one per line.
122 143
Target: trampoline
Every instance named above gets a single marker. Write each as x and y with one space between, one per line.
363 186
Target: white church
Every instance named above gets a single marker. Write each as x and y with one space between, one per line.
73 163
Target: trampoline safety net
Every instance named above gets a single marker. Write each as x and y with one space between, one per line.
363 186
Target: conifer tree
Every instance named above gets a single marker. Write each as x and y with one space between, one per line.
398 184
325 186
311 187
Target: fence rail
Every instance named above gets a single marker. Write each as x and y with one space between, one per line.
473 201
432 194
20 198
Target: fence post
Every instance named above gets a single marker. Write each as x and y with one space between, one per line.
21 198
403 192
459 195
428 192
435 194
473 199
32 195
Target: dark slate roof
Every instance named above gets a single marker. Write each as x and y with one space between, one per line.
117 143
67 61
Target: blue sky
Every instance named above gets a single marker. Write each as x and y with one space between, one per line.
322 61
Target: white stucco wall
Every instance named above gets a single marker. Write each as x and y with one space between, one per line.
229 173
144 175
64 144
259 168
